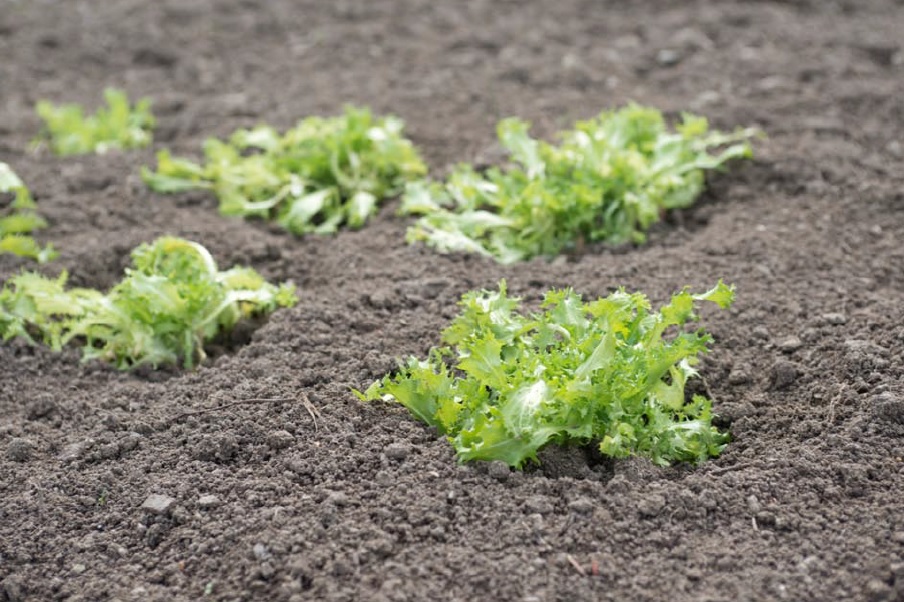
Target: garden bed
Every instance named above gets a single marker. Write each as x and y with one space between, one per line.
261 477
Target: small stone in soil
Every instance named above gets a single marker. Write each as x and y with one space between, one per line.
207 502
754 505
835 319
158 504
790 344
19 450
75 451
260 551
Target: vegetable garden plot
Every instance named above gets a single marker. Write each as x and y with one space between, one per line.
223 483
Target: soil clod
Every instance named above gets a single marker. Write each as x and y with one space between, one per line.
158 504
19 450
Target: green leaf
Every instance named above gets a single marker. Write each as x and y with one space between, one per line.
608 180
504 384
20 220
21 223
9 181
722 295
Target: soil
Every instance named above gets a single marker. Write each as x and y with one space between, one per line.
224 484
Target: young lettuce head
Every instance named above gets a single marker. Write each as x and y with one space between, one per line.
503 385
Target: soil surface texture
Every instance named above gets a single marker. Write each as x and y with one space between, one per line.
260 477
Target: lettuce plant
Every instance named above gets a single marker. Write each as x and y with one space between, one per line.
610 371
322 174
118 126
608 180
172 300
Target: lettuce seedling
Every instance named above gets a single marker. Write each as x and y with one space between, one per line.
19 218
172 300
611 371
119 126
608 180
322 174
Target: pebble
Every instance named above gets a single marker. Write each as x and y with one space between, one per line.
75 451
280 439
261 552
206 502
754 505
19 450
761 332
790 344
835 319
158 504
651 505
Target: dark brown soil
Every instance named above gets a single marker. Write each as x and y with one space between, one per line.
364 503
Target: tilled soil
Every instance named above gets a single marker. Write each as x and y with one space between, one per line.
224 484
